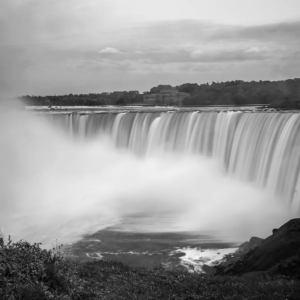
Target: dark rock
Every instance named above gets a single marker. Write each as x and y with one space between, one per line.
229 270
253 243
245 246
179 254
275 230
278 247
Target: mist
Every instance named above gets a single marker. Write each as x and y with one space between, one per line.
53 186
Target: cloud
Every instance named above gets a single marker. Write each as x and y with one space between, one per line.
288 31
61 46
196 53
110 50
231 56
253 49
178 55
190 40
188 33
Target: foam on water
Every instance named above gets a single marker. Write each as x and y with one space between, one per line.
195 258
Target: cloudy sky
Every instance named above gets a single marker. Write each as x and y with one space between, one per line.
85 46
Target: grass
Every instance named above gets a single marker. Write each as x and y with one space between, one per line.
28 272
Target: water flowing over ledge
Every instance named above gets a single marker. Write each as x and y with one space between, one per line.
262 148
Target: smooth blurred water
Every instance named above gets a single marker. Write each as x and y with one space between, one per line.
257 147
217 176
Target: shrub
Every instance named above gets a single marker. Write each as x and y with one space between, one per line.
29 273
27 270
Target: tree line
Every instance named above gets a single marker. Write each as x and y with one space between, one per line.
91 99
238 92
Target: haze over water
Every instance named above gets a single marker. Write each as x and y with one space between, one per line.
106 181
55 186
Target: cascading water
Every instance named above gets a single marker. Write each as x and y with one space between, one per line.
263 148
142 186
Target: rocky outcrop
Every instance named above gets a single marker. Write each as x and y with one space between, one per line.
253 243
277 253
282 245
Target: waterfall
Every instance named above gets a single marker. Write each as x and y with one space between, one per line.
262 148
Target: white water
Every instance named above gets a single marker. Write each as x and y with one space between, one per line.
197 257
54 186
263 148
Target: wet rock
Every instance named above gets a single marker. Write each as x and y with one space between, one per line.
179 254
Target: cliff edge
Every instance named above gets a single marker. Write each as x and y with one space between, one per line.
278 253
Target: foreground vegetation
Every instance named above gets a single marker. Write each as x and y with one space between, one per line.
28 272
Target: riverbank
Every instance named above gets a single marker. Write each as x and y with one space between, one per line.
28 272
278 254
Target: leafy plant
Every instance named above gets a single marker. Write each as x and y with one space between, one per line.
28 272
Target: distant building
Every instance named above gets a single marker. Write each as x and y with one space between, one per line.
166 96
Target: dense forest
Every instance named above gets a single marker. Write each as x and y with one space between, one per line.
277 93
